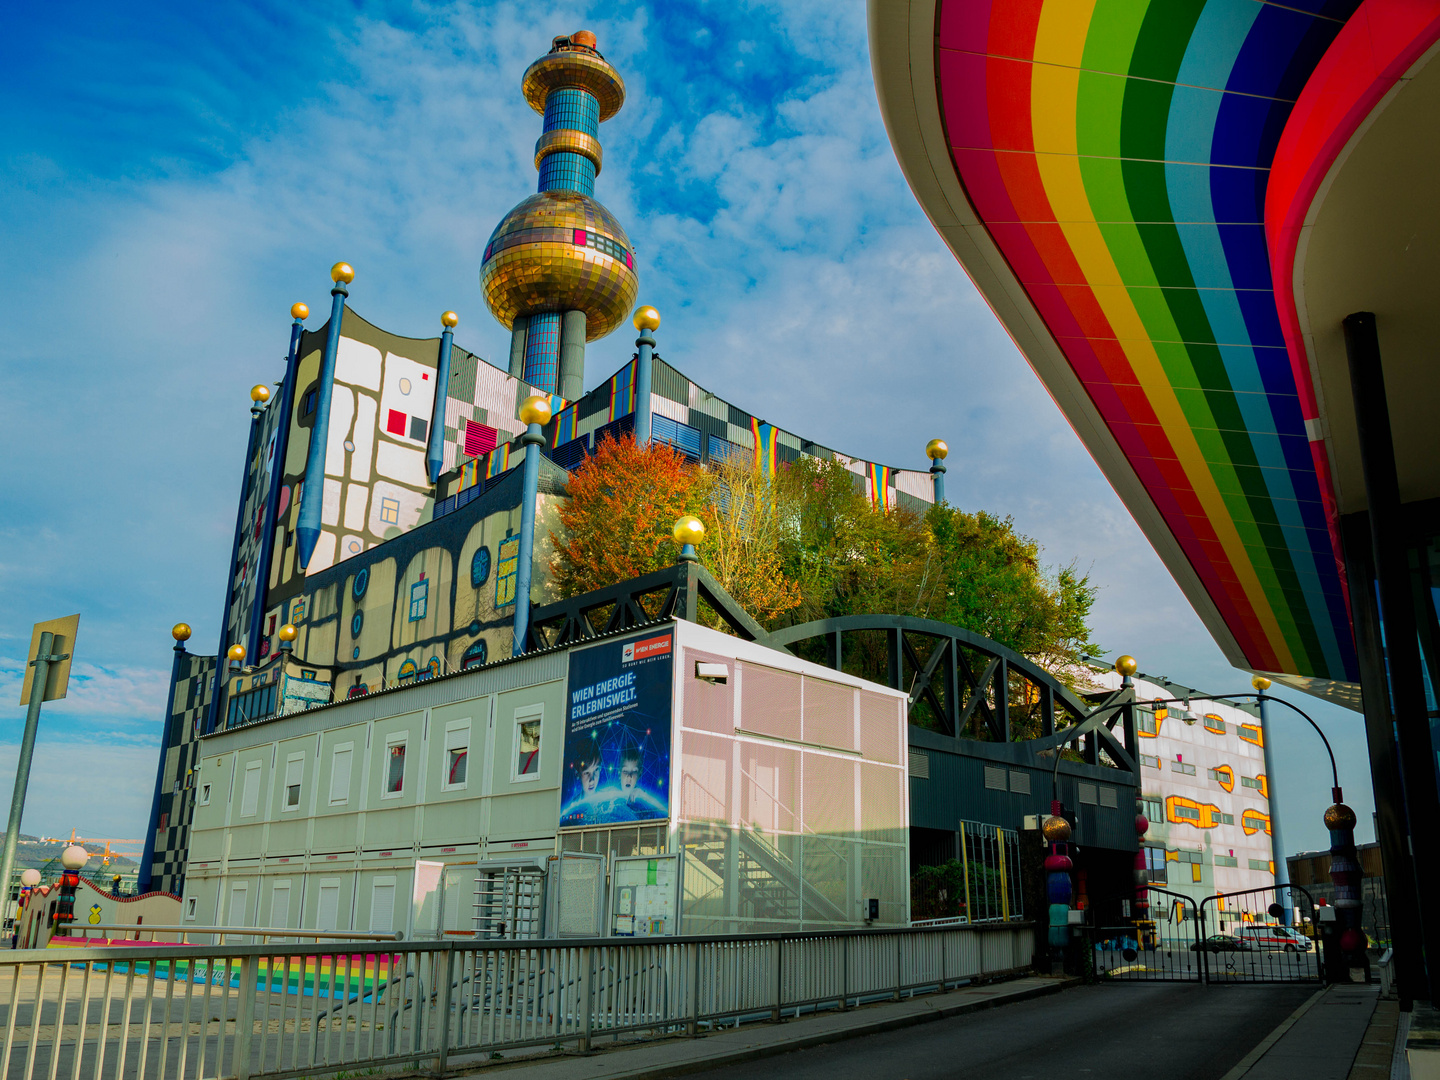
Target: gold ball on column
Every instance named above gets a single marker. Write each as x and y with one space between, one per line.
259 393
300 311
1055 829
535 410
1126 665
646 318
937 449
236 652
688 530
180 631
288 632
450 319
342 272
1259 682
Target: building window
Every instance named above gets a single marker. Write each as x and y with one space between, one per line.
294 772
457 754
1182 767
527 742
1249 781
1260 864
1155 865
1145 722
407 671
1214 723
340 759
204 794
190 908
480 567
395 768
1251 733
307 407
164 822
419 600
1226 860
390 510
474 656
1152 808
1189 813
506 572
1222 818
1148 760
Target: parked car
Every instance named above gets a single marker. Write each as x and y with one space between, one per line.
1275 938
1218 943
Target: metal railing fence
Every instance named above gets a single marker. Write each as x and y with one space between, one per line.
178 1012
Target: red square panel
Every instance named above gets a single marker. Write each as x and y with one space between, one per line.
395 423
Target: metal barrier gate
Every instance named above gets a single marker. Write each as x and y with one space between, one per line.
1241 937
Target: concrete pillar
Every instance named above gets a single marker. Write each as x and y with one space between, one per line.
517 346
572 355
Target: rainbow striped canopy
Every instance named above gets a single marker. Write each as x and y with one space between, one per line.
1118 152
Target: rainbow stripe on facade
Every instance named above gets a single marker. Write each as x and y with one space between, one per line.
878 478
764 437
1118 155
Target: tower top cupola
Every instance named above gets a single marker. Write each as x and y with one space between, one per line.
558 270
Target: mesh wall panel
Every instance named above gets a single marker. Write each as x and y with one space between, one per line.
829 714
827 887
705 778
770 702
769 788
880 727
829 788
882 877
880 804
708 707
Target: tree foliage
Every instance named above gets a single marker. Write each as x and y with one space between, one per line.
808 544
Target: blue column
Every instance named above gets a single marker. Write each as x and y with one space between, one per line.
542 352
645 345
435 452
937 476
283 419
533 441
312 502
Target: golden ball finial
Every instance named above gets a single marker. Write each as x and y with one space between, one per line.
646 318
688 530
450 320
1259 682
1055 829
1126 665
300 311
236 652
259 393
535 410
342 272
287 632
937 449
180 631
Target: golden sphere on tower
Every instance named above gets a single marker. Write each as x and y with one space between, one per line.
1126 665
1055 829
1259 682
450 319
299 311
535 410
937 449
688 530
1339 816
560 251
236 652
259 393
646 318
287 632
342 272
180 631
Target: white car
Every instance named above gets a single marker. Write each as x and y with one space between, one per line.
1275 938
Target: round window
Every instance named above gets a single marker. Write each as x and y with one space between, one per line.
473 628
474 656
362 582
356 622
480 567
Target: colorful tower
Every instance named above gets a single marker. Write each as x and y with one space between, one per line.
558 270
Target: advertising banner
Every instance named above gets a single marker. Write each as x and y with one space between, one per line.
617 732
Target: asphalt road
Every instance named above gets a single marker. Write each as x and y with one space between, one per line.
1176 1031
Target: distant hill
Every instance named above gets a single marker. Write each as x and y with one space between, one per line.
39 853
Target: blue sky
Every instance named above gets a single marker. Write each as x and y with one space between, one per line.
172 178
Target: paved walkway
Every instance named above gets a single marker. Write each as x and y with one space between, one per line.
1321 1040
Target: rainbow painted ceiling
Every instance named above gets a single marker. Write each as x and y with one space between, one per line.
1117 153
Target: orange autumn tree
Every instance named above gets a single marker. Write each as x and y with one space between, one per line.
624 501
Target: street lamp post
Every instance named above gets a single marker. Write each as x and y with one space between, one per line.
534 414
1277 845
72 859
